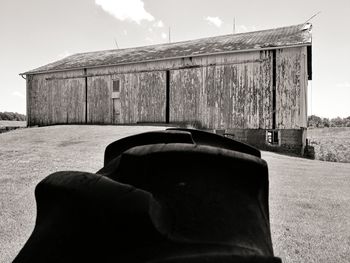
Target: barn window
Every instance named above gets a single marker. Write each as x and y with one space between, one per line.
272 137
116 89
116 85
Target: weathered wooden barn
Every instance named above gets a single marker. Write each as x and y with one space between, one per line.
253 85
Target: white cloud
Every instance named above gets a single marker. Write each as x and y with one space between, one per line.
130 10
125 32
344 85
164 35
216 21
159 24
18 94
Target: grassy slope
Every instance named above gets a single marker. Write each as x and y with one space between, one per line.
309 209
308 199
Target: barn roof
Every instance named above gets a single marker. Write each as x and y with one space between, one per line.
265 39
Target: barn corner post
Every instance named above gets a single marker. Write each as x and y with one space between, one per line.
86 95
28 89
274 81
308 79
167 99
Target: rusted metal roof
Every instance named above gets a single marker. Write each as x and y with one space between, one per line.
266 39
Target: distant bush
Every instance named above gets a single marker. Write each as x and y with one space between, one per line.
12 116
314 121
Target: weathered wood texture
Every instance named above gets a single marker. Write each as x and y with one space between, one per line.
142 97
232 94
291 97
55 101
99 100
218 92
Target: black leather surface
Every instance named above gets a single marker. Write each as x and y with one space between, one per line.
163 202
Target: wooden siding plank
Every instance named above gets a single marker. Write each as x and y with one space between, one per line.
304 87
291 86
265 91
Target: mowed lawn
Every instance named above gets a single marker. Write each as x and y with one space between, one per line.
309 200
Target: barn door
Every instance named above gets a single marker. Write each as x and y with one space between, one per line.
152 97
184 95
99 100
116 111
139 97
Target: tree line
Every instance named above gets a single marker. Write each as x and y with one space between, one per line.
12 116
314 121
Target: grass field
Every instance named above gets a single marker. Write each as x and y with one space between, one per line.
330 144
13 124
309 200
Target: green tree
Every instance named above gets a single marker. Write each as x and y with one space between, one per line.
337 122
326 122
314 121
12 116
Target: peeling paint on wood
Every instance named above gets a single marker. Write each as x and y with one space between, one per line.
291 88
142 97
236 95
56 102
218 92
99 100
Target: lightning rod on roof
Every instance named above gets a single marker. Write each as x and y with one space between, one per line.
234 26
169 35
116 43
312 17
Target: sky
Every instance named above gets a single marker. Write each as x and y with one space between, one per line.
34 33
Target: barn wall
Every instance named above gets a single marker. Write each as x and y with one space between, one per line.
60 98
141 98
55 101
217 92
291 97
234 92
223 91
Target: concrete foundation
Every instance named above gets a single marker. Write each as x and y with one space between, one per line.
287 140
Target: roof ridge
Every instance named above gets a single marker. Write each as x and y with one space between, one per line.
190 40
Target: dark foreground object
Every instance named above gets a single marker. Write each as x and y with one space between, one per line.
170 196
